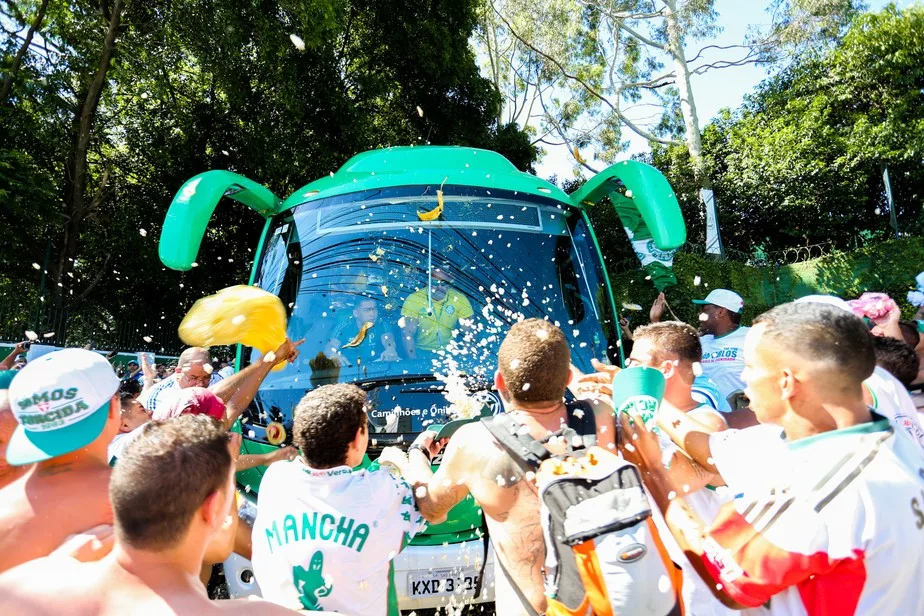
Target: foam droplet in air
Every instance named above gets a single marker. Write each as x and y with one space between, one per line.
297 41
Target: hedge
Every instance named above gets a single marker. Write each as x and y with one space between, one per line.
888 267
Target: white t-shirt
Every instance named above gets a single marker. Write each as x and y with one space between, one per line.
120 442
162 394
697 598
841 535
739 455
325 539
723 359
892 401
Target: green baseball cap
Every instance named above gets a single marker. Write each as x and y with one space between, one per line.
61 401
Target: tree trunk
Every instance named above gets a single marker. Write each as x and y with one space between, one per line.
76 171
14 68
694 137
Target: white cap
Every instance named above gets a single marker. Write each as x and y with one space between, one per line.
724 299
61 402
831 300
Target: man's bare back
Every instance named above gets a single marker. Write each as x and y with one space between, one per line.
105 587
53 500
509 498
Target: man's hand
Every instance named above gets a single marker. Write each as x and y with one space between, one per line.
887 325
597 383
90 545
657 308
638 445
394 457
284 453
624 326
287 351
234 445
427 440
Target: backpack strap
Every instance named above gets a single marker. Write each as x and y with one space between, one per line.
582 420
523 448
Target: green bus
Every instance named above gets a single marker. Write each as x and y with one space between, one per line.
440 249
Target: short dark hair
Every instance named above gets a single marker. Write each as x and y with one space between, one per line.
326 422
734 317
535 361
164 477
672 338
910 333
131 387
822 333
898 358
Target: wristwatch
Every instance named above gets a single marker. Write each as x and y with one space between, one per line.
421 449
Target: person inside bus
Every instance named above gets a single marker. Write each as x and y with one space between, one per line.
360 338
427 320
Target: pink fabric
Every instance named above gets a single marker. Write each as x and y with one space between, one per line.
873 305
196 401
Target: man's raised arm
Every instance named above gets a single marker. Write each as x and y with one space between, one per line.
437 493
238 390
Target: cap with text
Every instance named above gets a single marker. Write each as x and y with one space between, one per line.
61 401
723 298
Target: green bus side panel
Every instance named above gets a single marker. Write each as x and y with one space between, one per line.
192 207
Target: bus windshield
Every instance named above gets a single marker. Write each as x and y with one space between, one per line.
398 291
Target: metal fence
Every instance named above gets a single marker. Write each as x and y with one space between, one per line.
65 328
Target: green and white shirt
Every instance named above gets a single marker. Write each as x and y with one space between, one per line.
325 539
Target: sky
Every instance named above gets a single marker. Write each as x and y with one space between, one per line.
713 90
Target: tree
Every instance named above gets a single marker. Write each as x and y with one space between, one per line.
114 104
801 162
594 64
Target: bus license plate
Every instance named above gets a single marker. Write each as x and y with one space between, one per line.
442 582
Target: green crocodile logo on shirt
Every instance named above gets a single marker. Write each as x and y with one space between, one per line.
310 583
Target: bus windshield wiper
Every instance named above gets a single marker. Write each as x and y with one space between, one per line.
393 379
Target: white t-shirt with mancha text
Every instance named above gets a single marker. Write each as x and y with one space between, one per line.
723 359
325 539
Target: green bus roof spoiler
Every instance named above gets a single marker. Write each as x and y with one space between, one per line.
648 190
191 209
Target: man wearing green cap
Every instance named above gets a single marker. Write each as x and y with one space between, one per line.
66 405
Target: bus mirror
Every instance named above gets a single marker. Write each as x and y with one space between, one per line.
192 207
650 198
648 211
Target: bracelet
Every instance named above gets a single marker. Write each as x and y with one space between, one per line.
421 449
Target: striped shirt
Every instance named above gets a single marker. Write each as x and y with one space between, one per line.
839 531
162 393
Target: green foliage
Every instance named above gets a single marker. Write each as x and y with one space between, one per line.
214 84
801 162
889 267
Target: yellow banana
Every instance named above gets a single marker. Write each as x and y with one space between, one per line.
358 340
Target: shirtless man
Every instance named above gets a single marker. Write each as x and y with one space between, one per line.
534 370
67 406
170 496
